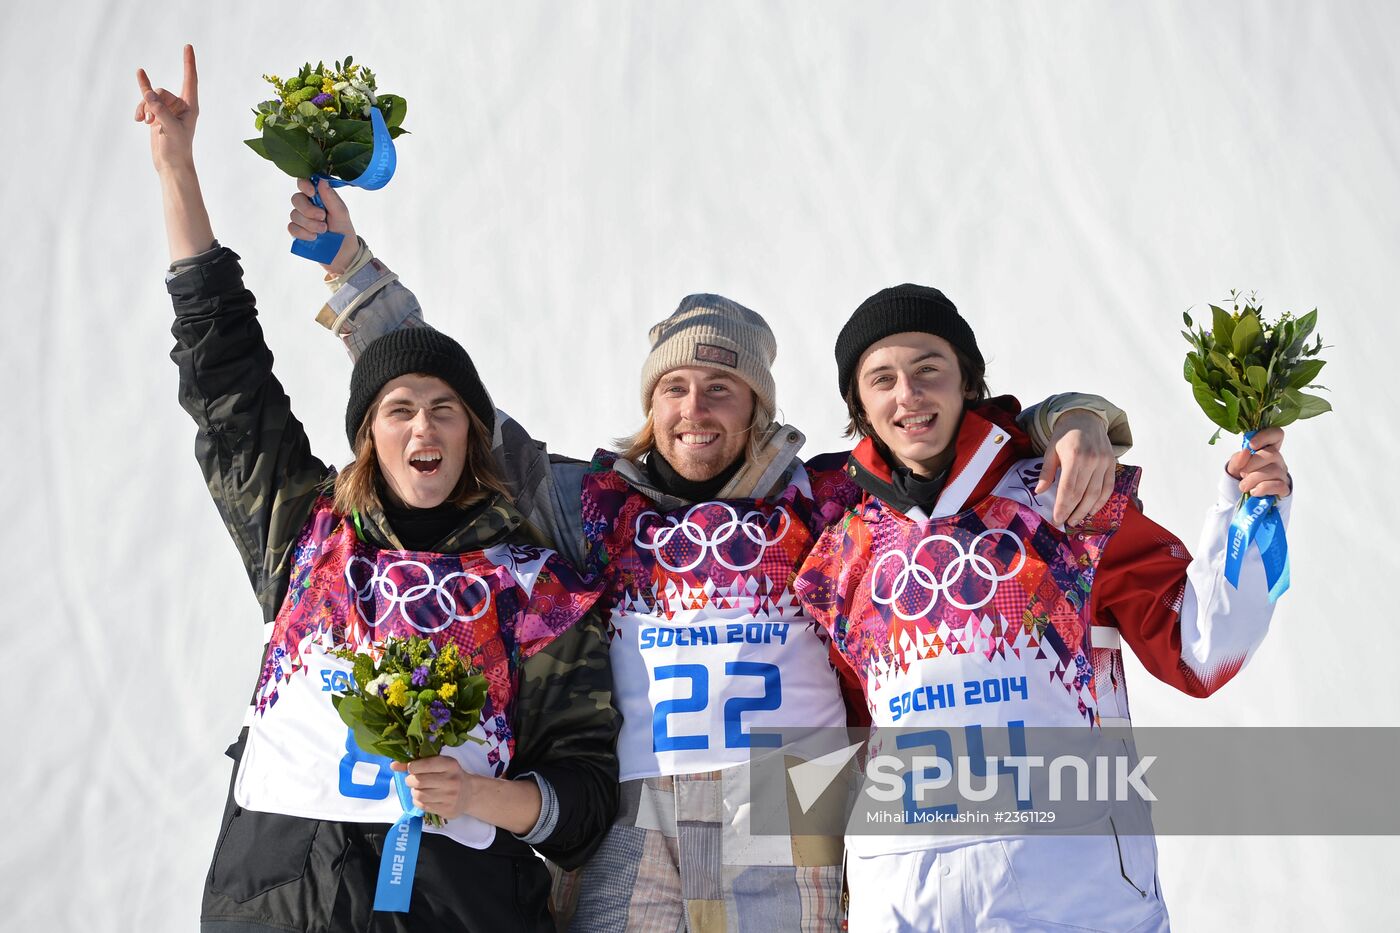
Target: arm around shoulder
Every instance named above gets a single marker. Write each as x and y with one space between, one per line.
1039 420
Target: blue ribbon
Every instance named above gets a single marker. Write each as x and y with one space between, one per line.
400 859
382 162
1258 523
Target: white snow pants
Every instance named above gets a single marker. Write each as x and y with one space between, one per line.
1100 882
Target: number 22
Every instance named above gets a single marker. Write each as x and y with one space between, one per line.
734 707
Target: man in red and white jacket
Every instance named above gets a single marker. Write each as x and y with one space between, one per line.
952 574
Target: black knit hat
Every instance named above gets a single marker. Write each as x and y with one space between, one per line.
899 310
415 350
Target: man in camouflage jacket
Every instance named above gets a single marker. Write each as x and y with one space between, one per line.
256 460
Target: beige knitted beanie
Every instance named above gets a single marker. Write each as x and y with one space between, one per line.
711 330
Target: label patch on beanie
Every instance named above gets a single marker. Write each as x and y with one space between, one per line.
709 353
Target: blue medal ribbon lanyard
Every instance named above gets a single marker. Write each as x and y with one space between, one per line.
1258 523
382 162
400 859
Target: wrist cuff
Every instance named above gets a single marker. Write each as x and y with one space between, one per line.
365 276
549 811
189 262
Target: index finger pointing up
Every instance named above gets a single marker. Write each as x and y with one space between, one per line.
190 91
142 81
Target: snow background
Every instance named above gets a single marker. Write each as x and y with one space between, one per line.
1073 176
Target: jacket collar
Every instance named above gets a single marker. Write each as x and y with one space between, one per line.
988 441
636 477
487 527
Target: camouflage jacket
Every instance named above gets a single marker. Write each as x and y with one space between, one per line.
264 479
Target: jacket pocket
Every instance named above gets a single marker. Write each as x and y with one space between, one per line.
1100 881
1137 860
260 851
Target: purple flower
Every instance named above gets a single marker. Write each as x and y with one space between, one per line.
440 714
320 100
420 675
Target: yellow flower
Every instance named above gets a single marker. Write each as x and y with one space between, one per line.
327 85
328 109
397 694
446 664
448 691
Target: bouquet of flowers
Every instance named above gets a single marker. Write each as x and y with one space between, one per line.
411 702
1248 373
320 122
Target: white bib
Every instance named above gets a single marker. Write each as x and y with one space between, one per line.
301 760
691 687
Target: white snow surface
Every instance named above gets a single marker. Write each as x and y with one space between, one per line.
1074 176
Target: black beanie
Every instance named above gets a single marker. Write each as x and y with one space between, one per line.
415 350
900 310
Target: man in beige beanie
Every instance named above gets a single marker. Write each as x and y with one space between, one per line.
698 523
708 397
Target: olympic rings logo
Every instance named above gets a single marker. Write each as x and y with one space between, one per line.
449 602
752 530
936 585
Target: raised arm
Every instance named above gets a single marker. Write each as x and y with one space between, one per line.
171 119
253 452
368 301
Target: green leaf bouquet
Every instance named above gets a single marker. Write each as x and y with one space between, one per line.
411 702
1248 373
319 122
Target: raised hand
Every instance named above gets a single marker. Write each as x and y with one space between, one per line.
170 118
308 220
1260 467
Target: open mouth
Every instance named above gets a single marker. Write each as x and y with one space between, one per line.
426 462
698 439
917 424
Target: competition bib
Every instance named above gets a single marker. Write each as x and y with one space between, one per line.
690 691
300 758
984 652
708 641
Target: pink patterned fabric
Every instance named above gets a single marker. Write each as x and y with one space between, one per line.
498 606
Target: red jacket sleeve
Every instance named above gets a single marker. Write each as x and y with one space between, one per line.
1185 623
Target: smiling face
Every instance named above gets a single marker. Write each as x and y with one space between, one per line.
420 431
911 389
701 417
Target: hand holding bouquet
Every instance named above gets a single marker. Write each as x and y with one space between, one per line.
1248 374
412 702
330 123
